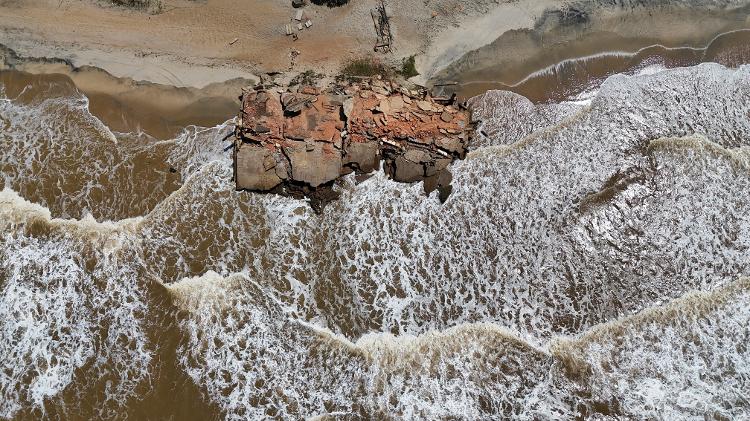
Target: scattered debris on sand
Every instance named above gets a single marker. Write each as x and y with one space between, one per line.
299 143
301 20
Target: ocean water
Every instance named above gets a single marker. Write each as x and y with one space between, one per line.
592 262
564 69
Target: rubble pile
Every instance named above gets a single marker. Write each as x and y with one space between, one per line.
300 142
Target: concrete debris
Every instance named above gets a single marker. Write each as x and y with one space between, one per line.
424 105
396 103
250 168
295 102
380 90
301 142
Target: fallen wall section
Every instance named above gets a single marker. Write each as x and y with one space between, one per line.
303 141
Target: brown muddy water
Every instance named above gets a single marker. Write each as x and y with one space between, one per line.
591 263
582 65
125 105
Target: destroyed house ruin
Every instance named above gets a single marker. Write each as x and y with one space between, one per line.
307 139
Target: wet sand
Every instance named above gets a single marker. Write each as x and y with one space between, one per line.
551 63
571 77
127 105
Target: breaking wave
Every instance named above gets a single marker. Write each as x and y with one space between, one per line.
591 262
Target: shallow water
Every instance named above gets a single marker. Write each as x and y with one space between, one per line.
591 262
581 65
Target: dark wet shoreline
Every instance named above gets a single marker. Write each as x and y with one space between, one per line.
126 105
573 76
558 59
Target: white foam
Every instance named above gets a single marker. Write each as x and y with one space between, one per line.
198 146
686 359
529 246
67 323
58 154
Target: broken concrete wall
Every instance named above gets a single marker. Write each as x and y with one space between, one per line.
310 138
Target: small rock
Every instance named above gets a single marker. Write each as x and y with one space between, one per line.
430 184
417 155
384 106
450 144
437 166
268 162
380 90
396 103
281 170
309 90
348 107
407 171
424 118
424 105
446 117
294 103
362 156
445 178
423 141
444 192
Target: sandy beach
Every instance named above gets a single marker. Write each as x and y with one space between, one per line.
186 62
191 43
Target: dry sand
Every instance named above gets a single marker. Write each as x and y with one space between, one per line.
189 43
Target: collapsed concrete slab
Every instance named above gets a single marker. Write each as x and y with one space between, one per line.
303 141
255 168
